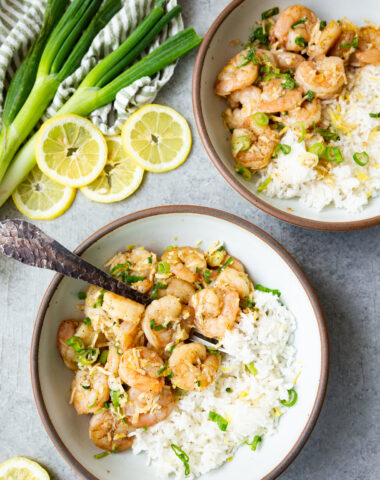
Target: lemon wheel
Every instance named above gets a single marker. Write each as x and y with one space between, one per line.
71 150
120 177
20 468
40 198
157 138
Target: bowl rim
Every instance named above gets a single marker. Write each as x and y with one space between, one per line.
182 209
223 170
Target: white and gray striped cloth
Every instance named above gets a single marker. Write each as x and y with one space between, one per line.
20 22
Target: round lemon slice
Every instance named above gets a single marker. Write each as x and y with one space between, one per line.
71 150
157 138
120 177
20 468
40 198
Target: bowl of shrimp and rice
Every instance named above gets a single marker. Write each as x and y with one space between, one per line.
265 262
291 120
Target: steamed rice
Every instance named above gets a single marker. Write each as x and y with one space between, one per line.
347 185
263 336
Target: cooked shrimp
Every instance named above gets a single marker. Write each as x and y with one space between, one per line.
146 409
113 360
235 75
324 76
139 368
184 262
368 51
89 391
163 322
347 37
128 335
263 141
216 311
287 60
233 263
121 308
321 41
230 278
67 330
110 433
308 113
193 367
285 34
179 288
138 262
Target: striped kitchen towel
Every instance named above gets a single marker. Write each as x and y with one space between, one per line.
20 21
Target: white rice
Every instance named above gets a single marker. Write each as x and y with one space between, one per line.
347 185
265 338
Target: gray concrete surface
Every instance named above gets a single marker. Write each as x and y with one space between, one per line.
342 267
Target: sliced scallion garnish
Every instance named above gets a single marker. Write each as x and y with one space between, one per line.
302 130
219 420
76 343
243 171
292 399
299 22
261 288
333 154
318 149
255 442
301 42
251 368
240 144
263 185
163 267
361 158
260 119
182 456
270 13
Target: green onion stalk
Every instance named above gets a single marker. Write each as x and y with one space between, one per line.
60 56
93 93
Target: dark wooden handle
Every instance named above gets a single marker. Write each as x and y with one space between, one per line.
28 244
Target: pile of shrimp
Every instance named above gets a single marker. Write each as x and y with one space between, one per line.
131 363
279 80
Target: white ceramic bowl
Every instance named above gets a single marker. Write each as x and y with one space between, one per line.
267 263
236 22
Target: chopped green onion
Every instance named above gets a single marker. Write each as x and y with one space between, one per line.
119 267
114 394
240 144
251 368
374 115
260 119
98 456
157 286
333 154
115 449
87 321
145 429
300 22
249 58
130 279
255 442
326 133
263 185
150 260
207 276
322 25
163 267
182 456
103 357
228 390
361 158
87 356
93 403
301 42
99 300
219 420
198 382
82 296
260 34
270 13
318 149
292 399
77 343
289 82
309 95
354 44
155 327
86 387
246 303
261 288
285 149
211 351
243 171
171 349
163 368
225 265
106 405
301 125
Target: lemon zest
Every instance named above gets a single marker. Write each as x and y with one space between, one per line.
243 395
296 377
369 193
229 459
362 176
277 412
373 134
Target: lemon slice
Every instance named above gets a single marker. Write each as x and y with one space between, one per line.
40 198
120 177
20 468
71 150
157 138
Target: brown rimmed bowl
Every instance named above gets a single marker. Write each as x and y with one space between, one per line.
267 262
235 23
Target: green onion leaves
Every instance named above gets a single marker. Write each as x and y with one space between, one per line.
318 149
285 149
225 265
263 185
182 456
267 290
374 115
255 442
76 343
299 22
251 368
361 158
219 420
301 42
354 43
100 455
250 57
243 171
333 154
260 119
270 13
327 133
240 144
156 287
292 399
309 95
155 327
322 25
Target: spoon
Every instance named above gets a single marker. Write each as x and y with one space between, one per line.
28 244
